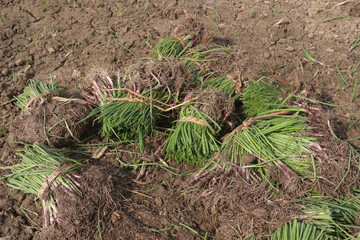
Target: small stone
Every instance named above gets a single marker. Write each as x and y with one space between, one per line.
311 35
282 40
289 49
26 69
260 213
267 55
283 21
85 42
292 38
20 62
75 74
239 17
126 29
5 72
51 50
2 203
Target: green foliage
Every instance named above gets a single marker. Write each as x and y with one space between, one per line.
336 216
38 163
124 113
223 84
35 89
260 96
299 231
276 141
354 44
168 47
196 59
193 142
125 119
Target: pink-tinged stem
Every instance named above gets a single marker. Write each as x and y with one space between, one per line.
155 77
110 82
234 165
318 159
45 212
95 86
217 175
298 156
321 63
98 97
226 183
117 78
206 192
91 96
197 176
159 86
312 134
285 169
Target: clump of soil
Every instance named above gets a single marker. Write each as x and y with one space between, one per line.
169 73
191 27
79 214
237 207
213 103
53 123
337 170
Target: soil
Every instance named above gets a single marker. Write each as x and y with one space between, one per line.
53 123
68 39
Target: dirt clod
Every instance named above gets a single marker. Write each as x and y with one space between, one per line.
52 123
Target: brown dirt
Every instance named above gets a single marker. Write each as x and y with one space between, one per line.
53 123
166 73
69 38
212 102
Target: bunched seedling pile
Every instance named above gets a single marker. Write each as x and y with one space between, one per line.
258 131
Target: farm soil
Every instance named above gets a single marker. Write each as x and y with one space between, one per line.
68 39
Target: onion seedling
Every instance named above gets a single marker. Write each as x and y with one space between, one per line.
275 140
37 90
260 96
337 216
299 230
196 59
170 46
193 139
127 113
41 172
226 85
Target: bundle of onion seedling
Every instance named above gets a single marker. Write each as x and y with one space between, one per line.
193 140
338 217
259 96
37 90
299 230
275 140
171 46
41 172
196 60
224 84
128 113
